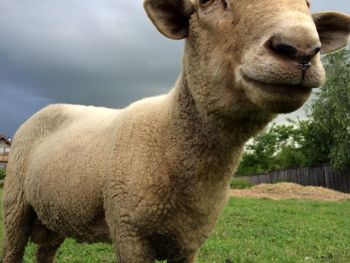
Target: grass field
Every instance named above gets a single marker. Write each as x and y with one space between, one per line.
255 231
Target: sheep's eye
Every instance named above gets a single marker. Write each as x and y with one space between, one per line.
205 2
225 3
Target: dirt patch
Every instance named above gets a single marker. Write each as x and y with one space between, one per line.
290 191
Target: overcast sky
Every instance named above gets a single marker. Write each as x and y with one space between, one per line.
93 52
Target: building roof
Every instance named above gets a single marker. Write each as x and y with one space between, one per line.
7 140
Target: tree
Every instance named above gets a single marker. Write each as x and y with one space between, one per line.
329 139
2 173
277 148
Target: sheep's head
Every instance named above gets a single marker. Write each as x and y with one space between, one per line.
262 54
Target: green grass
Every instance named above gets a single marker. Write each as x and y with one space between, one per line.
280 231
255 231
239 183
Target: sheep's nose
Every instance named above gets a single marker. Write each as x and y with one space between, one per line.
300 53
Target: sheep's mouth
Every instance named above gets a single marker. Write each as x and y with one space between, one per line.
280 89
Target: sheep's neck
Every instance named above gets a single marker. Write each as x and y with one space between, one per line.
205 143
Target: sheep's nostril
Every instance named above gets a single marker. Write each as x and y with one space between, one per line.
300 52
317 50
285 50
304 59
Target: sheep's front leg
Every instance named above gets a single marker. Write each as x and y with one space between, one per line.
189 259
130 245
133 249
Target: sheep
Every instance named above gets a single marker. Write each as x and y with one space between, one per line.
153 178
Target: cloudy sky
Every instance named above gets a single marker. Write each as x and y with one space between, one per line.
94 52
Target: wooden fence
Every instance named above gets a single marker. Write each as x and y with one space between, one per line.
316 176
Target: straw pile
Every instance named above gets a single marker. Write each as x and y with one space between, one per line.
290 191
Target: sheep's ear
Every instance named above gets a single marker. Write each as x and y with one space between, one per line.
333 29
171 17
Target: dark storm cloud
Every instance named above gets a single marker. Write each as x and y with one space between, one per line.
102 52
17 105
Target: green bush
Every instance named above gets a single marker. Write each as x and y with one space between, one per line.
240 184
2 173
